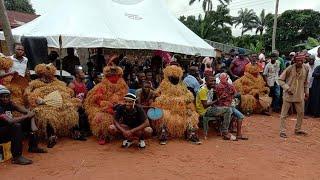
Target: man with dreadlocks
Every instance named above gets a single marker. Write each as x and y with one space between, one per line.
180 117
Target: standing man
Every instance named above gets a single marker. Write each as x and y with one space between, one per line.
238 65
19 61
294 81
70 62
271 74
281 61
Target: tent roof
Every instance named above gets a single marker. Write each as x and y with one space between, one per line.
122 24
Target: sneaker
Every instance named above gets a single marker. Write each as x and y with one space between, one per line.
142 143
126 143
21 160
52 141
194 138
163 136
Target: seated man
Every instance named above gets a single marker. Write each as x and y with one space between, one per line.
191 80
145 95
206 106
226 92
11 128
132 122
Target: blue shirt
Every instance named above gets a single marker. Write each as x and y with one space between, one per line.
191 82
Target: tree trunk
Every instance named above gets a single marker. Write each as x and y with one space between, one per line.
275 26
6 27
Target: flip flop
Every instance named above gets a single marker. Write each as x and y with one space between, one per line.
231 138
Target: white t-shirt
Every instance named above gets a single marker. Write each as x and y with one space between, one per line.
19 66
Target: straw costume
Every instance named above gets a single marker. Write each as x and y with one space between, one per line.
100 101
15 87
177 103
253 90
61 115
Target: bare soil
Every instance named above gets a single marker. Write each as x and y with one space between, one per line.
264 156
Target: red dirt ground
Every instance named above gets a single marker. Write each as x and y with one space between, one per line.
264 156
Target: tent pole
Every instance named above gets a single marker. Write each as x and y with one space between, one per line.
60 54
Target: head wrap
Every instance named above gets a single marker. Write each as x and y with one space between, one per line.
4 90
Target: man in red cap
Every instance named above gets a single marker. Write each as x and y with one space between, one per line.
294 81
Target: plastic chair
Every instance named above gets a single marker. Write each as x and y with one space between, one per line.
205 123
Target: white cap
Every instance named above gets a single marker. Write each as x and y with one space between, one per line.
292 54
4 90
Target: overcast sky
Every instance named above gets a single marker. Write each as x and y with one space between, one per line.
181 7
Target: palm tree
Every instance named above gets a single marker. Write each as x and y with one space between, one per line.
207 4
261 22
247 18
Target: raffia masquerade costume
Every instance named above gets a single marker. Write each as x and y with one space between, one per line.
177 103
253 90
16 88
61 119
100 101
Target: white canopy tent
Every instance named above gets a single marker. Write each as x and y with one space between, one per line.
314 51
121 24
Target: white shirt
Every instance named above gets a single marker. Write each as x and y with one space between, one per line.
317 61
19 66
271 71
310 78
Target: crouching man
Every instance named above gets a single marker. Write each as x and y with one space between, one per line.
132 122
12 128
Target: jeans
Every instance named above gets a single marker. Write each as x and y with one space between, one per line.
237 114
275 94
224 112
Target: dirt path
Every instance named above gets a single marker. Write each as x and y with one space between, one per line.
264 156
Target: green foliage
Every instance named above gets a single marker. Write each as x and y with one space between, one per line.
294 27
207 4
247 18
19 5
215 26
261 22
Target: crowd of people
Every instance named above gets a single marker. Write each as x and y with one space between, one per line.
136 101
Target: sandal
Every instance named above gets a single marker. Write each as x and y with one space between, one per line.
52 141
230 137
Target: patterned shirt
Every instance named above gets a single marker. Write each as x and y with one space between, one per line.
225 93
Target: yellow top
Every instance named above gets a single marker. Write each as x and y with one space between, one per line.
201 96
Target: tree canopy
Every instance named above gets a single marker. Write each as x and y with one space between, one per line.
215 26
19 5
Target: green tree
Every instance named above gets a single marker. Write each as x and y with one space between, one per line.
294 27
19 5
207 4
215 26
247 18
261 22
